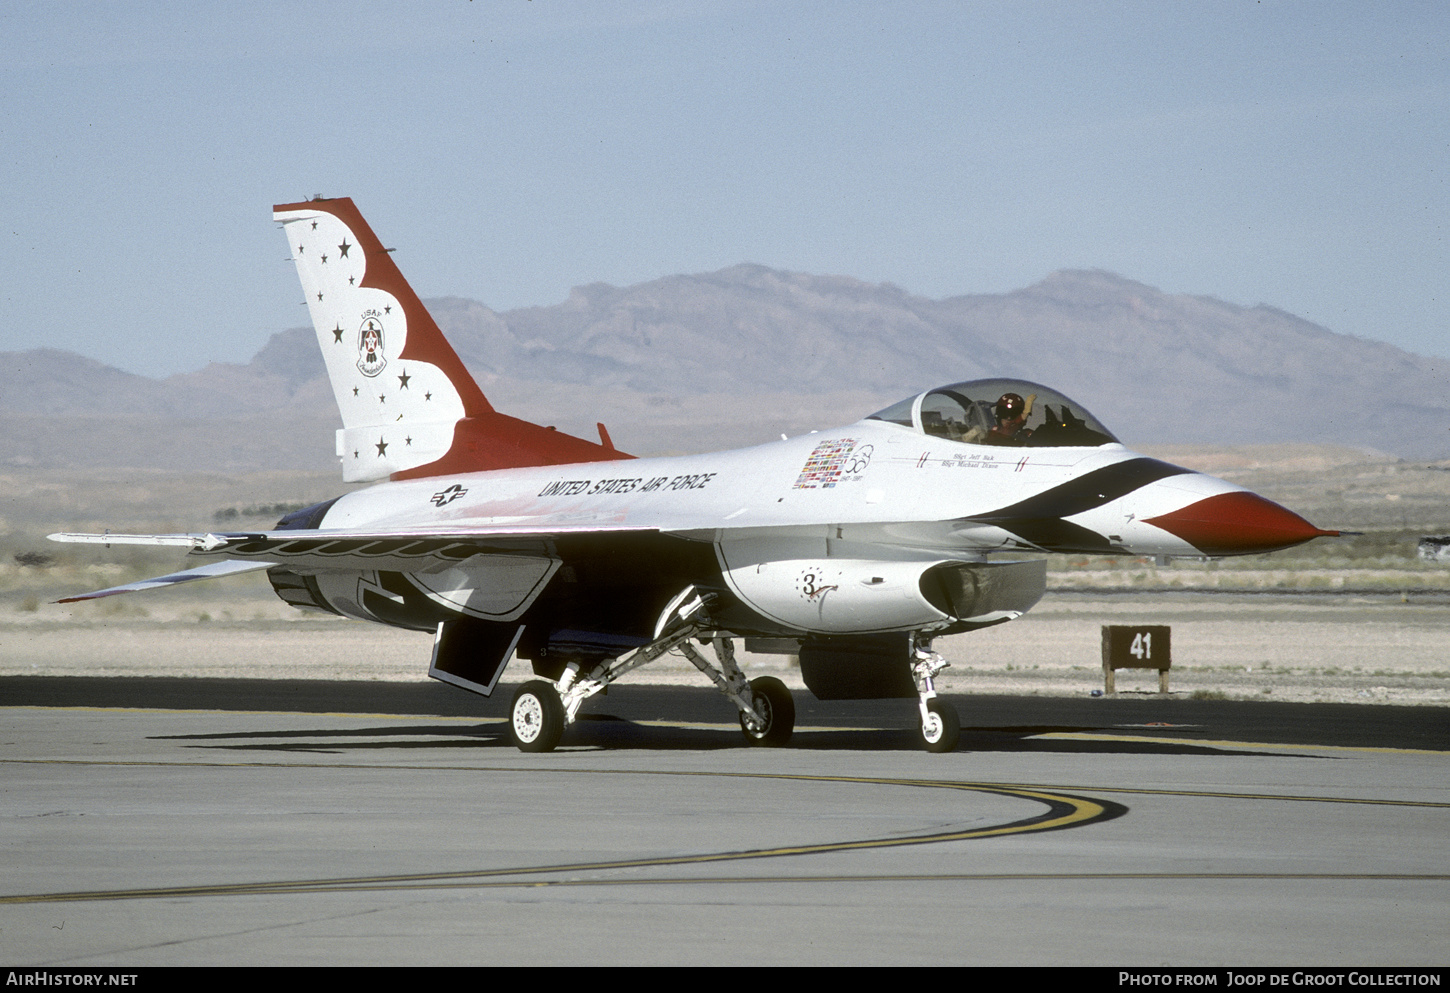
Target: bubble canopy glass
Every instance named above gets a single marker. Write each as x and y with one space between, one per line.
969 413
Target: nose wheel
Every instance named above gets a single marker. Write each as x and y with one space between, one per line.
940 729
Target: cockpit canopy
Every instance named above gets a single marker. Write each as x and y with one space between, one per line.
1006 412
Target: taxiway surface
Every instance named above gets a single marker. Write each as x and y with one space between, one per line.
251 821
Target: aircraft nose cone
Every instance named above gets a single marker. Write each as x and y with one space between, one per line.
1238 523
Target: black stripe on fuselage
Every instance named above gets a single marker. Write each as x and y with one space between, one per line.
1038 520
1055 535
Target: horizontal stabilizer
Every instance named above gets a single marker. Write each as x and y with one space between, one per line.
214 570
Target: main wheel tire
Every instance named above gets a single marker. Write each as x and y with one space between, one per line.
942 729
774 703
536 718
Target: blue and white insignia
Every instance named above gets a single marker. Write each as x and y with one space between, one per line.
370 358
447 496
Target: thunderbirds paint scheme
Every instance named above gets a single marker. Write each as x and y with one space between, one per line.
851 548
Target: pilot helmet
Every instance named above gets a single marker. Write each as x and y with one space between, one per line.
1009 407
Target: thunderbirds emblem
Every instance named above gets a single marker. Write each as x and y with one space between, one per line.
370 360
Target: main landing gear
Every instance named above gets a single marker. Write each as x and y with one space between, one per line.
542 709
536 718
776 710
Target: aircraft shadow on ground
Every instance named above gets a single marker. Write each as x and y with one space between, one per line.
604 732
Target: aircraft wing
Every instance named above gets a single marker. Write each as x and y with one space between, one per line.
394 550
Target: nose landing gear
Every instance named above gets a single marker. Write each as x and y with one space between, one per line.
940 729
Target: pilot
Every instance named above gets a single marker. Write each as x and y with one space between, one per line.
1011 427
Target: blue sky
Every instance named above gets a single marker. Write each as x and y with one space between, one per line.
1293 154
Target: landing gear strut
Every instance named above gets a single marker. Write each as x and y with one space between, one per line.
767 712
940 728
542 709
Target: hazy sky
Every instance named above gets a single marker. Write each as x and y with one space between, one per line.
1294 154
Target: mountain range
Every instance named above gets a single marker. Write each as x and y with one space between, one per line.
741 355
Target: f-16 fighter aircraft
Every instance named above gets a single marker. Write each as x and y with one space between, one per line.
851 548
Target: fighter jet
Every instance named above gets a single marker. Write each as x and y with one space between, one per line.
851 548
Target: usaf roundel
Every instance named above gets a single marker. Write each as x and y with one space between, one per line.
370 360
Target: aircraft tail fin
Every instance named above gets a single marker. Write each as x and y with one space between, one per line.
409 406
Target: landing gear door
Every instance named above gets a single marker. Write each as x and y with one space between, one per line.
472 654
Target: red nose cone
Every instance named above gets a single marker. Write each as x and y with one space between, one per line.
1238 524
